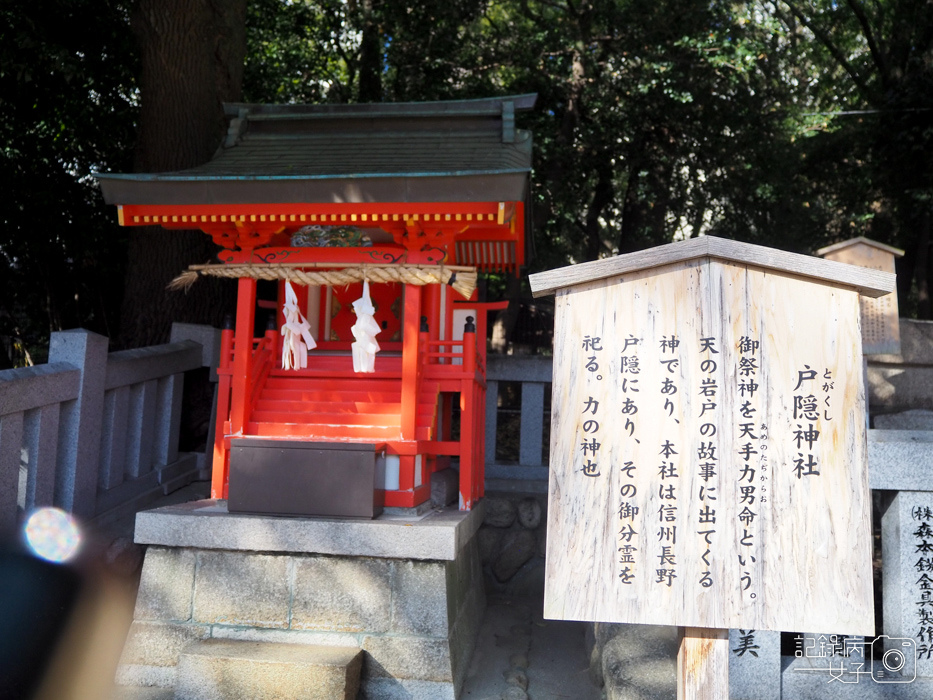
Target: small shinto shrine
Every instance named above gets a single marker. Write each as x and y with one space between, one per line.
411 200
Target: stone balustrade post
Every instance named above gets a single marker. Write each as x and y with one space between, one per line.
80 420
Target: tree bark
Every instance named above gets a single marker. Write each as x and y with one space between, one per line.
647 198
370 55
922 264
603 194
192 55
632 219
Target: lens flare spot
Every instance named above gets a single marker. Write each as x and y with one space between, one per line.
52 534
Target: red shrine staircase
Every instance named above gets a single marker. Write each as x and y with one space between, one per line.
405 406
333 407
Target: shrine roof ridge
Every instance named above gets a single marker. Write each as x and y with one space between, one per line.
866 281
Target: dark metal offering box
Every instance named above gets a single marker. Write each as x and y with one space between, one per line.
290 477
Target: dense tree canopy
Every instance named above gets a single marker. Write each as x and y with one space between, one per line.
782 122
192 55
876 62
68 104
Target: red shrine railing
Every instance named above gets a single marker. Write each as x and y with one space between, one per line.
463 374
428 378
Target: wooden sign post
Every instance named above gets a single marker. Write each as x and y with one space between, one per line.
708 449
703 664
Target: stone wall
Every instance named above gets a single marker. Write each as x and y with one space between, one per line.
397 611
416 618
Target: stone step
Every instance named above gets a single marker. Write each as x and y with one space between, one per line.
219 669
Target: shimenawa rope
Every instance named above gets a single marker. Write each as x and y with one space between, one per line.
462 279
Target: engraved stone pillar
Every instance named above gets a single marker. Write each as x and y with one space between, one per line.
907 584
754 665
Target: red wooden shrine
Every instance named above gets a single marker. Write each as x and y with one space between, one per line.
426 184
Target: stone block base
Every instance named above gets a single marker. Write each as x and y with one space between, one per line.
217 669
406 590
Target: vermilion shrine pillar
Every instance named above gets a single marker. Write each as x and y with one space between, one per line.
242 354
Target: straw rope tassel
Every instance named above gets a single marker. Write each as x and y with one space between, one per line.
184 281
462 279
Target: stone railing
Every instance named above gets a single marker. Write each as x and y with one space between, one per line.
95 433
528 462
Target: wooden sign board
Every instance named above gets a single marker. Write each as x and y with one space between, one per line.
881 332
708 455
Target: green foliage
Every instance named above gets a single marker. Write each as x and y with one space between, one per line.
312 50
774 121
68 104
874 74
655 120
300 52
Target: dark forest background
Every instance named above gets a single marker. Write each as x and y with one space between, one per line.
791 123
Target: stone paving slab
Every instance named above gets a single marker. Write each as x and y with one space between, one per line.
519 655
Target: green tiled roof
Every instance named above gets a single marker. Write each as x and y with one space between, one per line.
369 153
467 150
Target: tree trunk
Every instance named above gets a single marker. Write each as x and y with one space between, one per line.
568 125
370 55
192 55
603 194
632 220
647 191
922 268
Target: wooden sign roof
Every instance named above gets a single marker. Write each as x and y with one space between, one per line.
870 283
881 333
859 240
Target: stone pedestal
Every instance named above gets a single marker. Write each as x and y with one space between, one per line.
408 591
